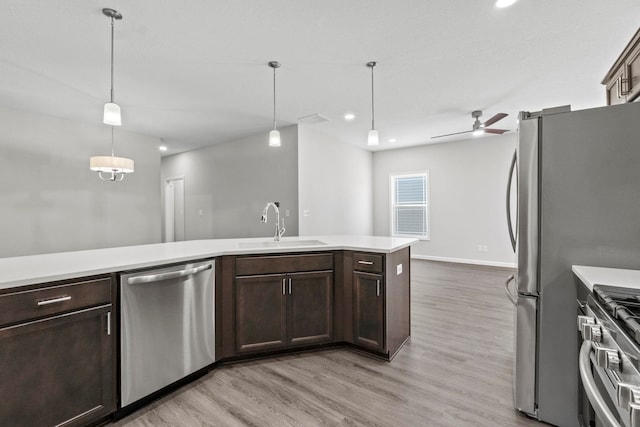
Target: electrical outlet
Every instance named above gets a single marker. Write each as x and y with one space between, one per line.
306 212
479 248
286 212
485 248
398 269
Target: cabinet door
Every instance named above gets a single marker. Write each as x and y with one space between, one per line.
615 89
261 311
633 74
58 370
310 307
368 310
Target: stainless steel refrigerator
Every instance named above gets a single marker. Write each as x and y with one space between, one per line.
577 176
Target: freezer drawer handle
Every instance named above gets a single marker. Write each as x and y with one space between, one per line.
511 296
53 300
365 262
596 400
165 276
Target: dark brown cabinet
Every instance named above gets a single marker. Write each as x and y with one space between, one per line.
57 355
261 313
380 294
368 310
283 308
622 82
310 307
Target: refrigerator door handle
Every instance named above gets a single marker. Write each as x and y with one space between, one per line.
510 295
512 235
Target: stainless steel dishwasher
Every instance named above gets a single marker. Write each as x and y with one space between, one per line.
167 320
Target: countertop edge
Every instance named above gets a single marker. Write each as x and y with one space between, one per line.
591 275
34 278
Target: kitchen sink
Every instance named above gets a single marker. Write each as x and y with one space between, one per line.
280 244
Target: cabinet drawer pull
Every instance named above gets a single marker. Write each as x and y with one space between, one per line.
377 288
53 300
365 262
289 285
284 286
109 323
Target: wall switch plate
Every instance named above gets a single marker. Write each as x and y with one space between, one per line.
286 212
398 269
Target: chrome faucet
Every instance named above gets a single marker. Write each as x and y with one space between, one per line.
279 230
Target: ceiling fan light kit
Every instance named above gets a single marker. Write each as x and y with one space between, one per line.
478 128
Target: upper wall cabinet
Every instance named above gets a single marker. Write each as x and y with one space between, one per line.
622 82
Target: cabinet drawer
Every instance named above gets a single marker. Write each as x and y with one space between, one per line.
25 305
248 266
367 262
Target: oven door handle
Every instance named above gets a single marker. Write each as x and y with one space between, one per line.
599 405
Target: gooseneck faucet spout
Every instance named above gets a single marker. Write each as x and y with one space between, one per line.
279 230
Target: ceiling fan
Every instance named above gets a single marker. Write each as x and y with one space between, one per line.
480 128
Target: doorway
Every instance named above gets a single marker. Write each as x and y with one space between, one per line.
174 209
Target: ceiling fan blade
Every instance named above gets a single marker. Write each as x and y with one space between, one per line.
451 134
496 131
494 119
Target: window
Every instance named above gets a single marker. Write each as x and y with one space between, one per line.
410 205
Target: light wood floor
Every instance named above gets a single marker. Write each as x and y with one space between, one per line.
455 371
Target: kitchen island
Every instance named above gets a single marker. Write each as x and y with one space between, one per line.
271 297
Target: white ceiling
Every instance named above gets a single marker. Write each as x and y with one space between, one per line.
195 72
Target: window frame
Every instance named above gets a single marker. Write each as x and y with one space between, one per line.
426 205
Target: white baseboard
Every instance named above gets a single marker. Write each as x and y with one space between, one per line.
466 261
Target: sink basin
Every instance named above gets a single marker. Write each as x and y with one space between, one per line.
280 244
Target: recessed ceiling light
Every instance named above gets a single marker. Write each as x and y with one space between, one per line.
349 116
504 3
392 140
162 148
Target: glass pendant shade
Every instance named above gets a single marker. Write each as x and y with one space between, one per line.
372 138
274 138
111 164
112 114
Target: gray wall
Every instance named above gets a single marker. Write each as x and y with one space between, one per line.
51 202
468 188
335 185
227 185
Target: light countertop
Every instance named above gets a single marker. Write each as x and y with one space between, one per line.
607 276
32 269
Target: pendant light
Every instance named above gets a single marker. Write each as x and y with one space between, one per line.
372 138
114 167
274 135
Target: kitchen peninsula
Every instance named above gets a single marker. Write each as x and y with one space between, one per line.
61 322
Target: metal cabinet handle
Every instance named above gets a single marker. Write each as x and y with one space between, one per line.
365 262
289 285
596 400
378 287
170 275
109 323
511 296
284 286
53 300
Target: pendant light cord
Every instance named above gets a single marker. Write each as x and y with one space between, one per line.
112 58
372 108
274 98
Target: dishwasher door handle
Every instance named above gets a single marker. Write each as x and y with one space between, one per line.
169 275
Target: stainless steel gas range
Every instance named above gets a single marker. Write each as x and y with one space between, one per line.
609 358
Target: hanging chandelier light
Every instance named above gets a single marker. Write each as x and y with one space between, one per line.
274 135
114 167
372 137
